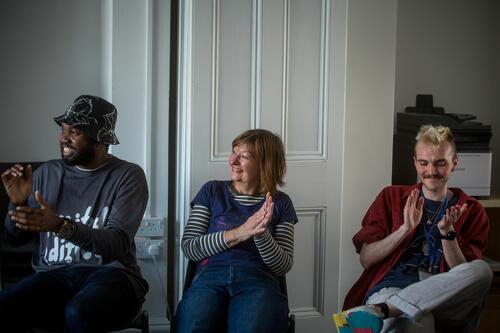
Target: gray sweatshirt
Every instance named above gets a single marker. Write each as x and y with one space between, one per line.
107 206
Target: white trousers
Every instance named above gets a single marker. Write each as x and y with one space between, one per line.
445 302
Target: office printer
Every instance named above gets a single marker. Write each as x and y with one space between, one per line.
473 173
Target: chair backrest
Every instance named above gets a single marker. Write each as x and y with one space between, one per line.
190 273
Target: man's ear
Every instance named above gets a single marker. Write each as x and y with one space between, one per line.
455 163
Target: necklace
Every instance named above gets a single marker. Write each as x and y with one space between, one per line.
432 244
108 158
434 214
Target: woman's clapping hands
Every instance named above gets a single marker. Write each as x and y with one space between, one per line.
254 225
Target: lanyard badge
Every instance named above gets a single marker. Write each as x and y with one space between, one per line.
431 246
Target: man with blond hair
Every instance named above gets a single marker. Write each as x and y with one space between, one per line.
420 247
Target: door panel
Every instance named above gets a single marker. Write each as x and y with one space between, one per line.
266 64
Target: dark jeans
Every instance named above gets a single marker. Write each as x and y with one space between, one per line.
76 299
239 299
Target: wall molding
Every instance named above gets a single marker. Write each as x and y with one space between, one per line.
285 71
256 72
317 309
148 87
321 152
218 155
215 155
183 176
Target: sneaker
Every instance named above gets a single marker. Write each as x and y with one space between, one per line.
362 319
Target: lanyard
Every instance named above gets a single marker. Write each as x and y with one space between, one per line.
434 246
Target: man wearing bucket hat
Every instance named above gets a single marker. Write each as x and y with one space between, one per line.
83 211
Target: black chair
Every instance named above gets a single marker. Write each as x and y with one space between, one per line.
15 263
191 272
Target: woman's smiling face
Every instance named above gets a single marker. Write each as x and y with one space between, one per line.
244 167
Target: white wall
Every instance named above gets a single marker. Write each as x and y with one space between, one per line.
449 49
55 50
370 71
50 55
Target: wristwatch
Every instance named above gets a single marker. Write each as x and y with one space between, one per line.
451 235
67 229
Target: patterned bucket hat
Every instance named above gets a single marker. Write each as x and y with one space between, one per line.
95 116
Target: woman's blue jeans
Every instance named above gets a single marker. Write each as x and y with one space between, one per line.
236 299
76 299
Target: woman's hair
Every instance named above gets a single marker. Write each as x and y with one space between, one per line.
267 148
435 136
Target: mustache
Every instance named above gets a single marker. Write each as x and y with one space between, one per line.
432 177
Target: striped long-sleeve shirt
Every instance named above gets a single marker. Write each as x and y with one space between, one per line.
276 250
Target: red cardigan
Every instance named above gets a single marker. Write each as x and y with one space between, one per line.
385 216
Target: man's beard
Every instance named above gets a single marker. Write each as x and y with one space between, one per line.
80 157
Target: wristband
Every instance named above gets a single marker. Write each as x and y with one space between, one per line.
449 236
67 229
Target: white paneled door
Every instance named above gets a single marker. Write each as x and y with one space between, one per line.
279 65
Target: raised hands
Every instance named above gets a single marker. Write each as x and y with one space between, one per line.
413 210
452 215
254 225
18 184
35 219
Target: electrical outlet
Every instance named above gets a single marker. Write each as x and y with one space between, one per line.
146 248
151 227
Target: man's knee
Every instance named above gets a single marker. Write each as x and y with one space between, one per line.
481 271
